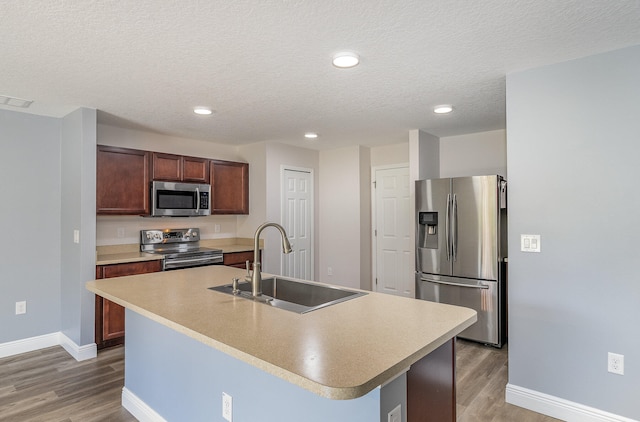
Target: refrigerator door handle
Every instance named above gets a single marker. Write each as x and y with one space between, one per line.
454 229
471 286
447 227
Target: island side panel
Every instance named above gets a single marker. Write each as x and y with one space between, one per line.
431 386
183 379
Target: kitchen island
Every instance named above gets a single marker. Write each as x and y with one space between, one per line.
187 345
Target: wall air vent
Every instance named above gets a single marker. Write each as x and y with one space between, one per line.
14 102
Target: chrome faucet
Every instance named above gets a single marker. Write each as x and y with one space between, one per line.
256 278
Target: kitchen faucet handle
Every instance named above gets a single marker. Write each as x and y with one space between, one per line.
248 265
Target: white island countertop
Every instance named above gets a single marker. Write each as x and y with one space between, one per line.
342 351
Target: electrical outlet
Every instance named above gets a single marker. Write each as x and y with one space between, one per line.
216 228
120 232
21 307
616 363
329 271
76 236
395 415
227 406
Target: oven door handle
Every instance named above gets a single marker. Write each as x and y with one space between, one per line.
188 260
471 286
197 200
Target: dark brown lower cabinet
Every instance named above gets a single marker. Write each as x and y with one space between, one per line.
109 319
431 386
238 259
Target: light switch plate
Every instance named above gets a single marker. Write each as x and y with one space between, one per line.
530 242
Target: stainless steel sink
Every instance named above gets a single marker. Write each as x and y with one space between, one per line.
293 295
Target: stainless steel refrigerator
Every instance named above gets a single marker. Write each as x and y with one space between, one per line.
461 249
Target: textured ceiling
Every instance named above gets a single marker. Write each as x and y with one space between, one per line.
264 66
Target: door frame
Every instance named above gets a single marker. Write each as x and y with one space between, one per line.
374 222
283 197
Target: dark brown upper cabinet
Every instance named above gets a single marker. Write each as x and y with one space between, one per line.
122 181
229 187
178 168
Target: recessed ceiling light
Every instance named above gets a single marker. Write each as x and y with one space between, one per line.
311 135
443 109
205 111
345 60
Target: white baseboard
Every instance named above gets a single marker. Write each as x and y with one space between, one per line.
558 408
79 353
139 409
29 344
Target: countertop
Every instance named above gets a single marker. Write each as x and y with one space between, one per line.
340 352
121 254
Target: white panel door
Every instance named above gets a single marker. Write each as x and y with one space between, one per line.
297 220
393 254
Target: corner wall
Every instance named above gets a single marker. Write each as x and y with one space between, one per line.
30 211
78 212
572 133
341 250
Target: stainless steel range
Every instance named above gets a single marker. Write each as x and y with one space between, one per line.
180 247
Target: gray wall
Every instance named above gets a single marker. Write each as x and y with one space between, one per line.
573 150
47 191
29 211
78 194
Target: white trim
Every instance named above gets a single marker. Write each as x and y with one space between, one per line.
139 409
283 168
557 407
79 353
374 222
29 344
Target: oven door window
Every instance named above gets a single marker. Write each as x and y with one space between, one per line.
177 200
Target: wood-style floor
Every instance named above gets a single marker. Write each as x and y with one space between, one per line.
481 379
50 386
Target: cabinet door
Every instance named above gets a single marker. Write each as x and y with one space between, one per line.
122 181
238 259
229 187
195 170
166 167
109 322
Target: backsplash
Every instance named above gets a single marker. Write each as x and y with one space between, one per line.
118 230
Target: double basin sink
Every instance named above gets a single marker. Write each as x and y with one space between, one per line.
292 295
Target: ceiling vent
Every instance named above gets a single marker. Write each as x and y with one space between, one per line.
14 102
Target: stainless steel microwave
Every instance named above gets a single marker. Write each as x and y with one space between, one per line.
174 199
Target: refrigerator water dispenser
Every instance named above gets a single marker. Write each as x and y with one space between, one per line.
428 230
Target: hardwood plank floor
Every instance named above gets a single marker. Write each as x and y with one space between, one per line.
48 385
481 377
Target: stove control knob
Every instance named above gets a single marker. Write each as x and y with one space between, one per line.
195 234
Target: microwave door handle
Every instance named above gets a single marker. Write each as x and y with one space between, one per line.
197 200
